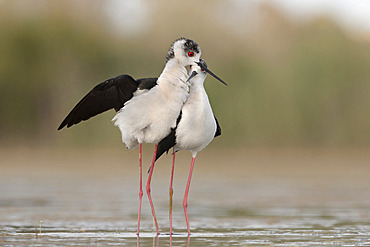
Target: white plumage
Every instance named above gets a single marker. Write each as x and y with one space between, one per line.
147 108
149 116
197 127
158 110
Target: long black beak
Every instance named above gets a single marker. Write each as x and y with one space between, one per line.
192 75
209 72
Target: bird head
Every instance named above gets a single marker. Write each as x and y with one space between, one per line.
200 70
186 51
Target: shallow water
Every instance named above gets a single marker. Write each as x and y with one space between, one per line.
267 202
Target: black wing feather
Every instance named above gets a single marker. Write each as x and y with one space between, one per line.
110 94
218 129
169 141
147 83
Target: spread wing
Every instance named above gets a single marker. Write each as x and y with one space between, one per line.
110 94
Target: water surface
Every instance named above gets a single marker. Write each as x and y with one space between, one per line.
256 198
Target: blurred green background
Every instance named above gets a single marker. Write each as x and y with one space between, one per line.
292 81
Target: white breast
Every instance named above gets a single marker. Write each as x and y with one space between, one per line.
197 126
149 117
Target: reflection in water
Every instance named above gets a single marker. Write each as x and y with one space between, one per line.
267 227
156 241
97 207
187 241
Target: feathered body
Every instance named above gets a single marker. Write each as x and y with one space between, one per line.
197 116
147 108
196 125
149 116
157 110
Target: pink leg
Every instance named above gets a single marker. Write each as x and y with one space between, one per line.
141 189
185 201
148 188
171 191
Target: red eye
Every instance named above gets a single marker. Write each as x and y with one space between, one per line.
190 54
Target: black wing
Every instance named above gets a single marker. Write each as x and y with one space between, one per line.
218 129
146 83
169 141
110 94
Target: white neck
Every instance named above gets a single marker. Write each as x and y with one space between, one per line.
175 73
172 82
196 87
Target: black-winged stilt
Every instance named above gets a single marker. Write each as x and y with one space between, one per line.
147 108
196 127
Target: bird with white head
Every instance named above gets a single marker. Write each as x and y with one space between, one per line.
147 108
196 128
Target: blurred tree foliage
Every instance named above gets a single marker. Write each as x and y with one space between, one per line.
289 84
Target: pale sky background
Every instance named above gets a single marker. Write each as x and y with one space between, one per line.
353 15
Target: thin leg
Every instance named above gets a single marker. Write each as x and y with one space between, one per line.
148 188
185 201
141 189
171 191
